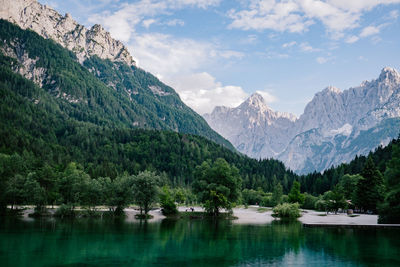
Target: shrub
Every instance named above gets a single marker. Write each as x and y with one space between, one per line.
320 205
266 202
286 210
168 206
309 201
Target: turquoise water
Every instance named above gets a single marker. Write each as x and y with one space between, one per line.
191 243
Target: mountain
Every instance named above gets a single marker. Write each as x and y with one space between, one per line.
335 126
253 128
93 74
42 134
48 23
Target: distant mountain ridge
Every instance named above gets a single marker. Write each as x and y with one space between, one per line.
94 74
332 129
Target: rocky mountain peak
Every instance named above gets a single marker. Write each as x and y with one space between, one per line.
335 126
256 101
390 75
29 14
332 89
220 109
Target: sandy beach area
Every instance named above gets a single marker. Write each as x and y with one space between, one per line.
257 215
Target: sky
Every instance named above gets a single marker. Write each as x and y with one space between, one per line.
219 52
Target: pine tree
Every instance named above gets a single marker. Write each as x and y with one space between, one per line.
390 210
370 188
295 195
277 194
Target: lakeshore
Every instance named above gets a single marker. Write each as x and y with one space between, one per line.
255 215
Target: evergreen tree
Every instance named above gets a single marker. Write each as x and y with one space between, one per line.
370 188
295 195
277 194
390 210
348 184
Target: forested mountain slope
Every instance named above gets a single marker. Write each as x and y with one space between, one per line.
53 132
100 91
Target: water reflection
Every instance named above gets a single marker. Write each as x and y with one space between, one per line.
191 242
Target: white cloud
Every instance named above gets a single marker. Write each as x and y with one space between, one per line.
202 93
178 63
321 60
231 54
337 16
251 39
175 22
268 97
394 14
368 31
165 55
122 22
273 54
305 47
352 39
290 44
147 22
267 14
362 58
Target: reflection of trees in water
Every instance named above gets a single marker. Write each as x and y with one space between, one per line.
362 246
185 242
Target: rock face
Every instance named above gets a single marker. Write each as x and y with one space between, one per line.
29 14
334 128
252 127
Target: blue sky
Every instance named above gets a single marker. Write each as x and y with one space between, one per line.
218 52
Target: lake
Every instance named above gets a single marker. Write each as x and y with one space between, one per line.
191 243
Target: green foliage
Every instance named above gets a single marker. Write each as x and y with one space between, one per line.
287 211
277 194
145 186
167 203
294 195
104 93
54 139
15 191
217 185
389 212
320 205
318 183
370 188
334 200
309 201
349 184
180 195
266 201
122 193
251 196
72 184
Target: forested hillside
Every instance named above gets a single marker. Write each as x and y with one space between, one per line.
318 183
101 92
43 133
